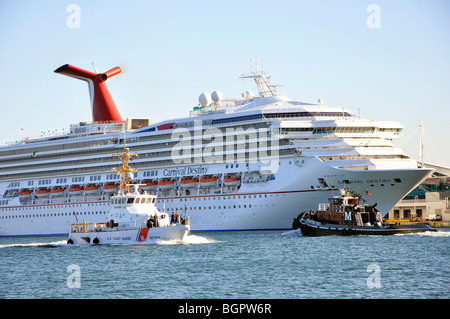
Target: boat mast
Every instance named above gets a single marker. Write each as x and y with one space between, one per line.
263 83
421 144
125 171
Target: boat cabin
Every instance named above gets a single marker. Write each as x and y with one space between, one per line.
339 204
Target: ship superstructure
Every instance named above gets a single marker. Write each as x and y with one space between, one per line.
233 164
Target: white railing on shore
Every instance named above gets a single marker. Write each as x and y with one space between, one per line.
416 200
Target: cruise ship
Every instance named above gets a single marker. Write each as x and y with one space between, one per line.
248 163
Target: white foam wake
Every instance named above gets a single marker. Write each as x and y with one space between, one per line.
190 239
36 245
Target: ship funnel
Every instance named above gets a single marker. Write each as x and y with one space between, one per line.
103 107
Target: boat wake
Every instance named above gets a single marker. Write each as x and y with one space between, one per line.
60 243
438 233
292 234
189 240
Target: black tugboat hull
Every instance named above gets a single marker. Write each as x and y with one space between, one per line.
340 230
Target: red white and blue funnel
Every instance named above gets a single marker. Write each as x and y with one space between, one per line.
103 107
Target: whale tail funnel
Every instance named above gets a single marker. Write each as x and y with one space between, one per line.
103 107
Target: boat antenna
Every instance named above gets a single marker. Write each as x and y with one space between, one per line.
421 144
125 171
95 69
262 82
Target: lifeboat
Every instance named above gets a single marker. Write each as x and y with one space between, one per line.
166 184
25 193
76 190
149 184
232 180
189 182
42 192
110 187
57 191
208 181
91 189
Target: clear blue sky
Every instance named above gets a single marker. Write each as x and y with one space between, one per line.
171 51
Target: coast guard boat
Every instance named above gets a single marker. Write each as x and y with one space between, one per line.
132 218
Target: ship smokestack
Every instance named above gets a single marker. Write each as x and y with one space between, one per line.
103 107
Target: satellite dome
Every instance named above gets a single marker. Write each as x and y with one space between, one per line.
204 99
216 96
249 94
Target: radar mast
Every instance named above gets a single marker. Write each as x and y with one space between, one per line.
262 82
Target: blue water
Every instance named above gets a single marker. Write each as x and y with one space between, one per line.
226 265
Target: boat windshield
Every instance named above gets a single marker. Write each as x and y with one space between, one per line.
335 201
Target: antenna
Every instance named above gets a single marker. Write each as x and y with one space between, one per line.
421 144
255 62
95 69
263 83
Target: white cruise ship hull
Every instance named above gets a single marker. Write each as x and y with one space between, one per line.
269 205
274 204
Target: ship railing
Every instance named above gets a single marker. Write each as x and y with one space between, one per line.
87 227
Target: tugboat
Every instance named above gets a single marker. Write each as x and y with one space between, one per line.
132 218
344 215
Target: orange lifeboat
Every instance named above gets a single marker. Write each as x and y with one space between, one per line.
232 180
57 191
25 193
149 184
110 187
42 192
206 181
189 182
91 189
76 190
166 184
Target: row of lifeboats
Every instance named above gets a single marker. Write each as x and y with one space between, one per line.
63 191
191 182
112 187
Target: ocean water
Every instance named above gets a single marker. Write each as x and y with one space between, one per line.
231 265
